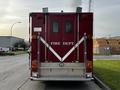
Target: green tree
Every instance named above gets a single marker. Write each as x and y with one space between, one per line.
20 44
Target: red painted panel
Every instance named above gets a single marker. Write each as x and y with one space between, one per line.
37 21
69 37
85 25
54 37
65 40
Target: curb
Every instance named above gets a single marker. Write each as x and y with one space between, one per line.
100 83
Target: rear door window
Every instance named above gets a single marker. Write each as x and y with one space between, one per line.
55 26
68 27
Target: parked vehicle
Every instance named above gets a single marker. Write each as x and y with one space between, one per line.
4 49
61 46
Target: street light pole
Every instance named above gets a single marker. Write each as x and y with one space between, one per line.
11 33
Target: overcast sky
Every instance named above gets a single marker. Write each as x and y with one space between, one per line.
106 14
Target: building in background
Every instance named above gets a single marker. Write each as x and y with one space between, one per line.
9 41
106 46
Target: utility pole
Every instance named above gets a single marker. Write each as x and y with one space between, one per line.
90 4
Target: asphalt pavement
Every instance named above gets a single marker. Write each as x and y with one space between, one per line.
14 75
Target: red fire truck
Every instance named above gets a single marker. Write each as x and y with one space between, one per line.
61 46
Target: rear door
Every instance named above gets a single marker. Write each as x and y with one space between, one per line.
54 36
61 36
69 36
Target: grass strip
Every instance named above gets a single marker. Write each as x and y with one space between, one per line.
109 72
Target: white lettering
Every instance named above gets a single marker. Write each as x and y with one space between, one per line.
68 43
55 43
64 43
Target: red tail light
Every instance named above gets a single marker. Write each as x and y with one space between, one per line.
34 65
89 66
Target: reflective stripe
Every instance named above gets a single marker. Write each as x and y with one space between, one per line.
73 48
67 54
50 48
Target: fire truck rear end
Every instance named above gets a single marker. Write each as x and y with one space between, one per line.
61 46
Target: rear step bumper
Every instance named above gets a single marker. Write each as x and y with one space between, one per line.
61 79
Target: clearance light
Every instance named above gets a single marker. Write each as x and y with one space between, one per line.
34 37
34 65
89 75
89 66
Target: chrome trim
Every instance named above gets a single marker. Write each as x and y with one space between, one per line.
60 79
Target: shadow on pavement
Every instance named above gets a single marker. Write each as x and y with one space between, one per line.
65 85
